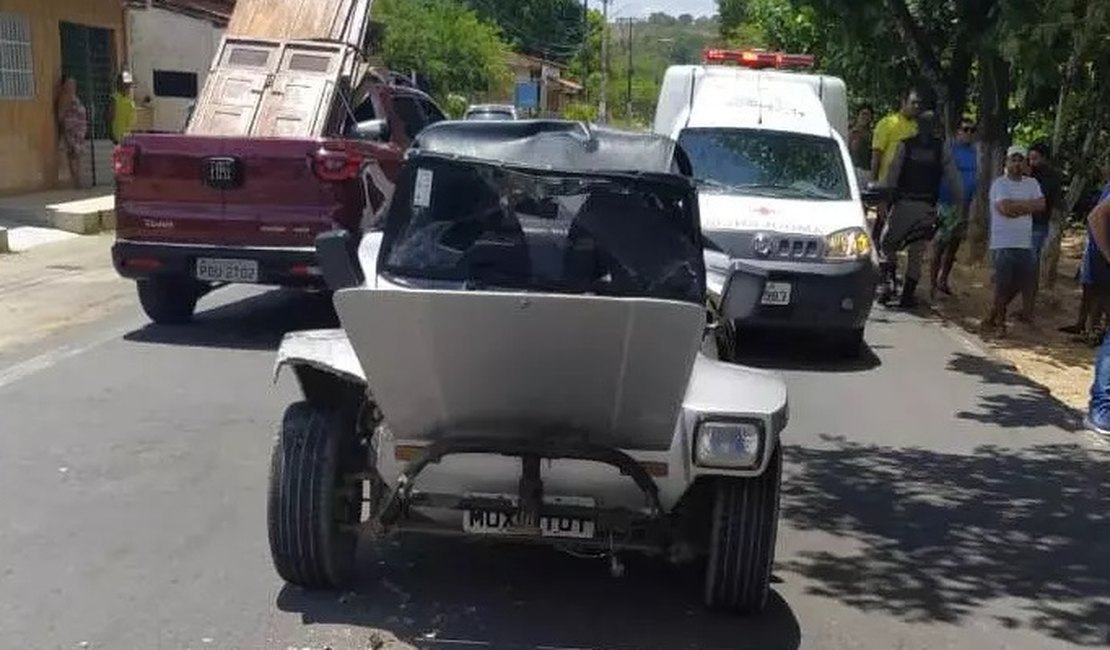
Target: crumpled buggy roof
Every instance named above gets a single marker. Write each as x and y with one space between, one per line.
554 145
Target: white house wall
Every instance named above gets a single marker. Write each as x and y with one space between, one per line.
164 40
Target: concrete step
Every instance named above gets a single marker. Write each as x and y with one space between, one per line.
23 238
82 212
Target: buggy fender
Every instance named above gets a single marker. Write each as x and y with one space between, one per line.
326 351
726 391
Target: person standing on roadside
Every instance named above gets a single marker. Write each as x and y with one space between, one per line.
73 122
1094 278
889 131
123 109
952 218
918 168
860 137
1014 198
1052 186
1097 261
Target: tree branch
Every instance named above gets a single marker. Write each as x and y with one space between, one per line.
928 61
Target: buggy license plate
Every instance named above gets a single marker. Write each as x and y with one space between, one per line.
776 293
493 522
219 270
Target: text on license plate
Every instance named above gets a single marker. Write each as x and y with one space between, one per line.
220 270
776 293
493 522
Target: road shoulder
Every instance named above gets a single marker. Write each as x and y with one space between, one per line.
57 286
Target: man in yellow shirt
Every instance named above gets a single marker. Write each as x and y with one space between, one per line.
123 109
889 132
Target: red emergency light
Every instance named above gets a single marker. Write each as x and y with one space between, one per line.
757 58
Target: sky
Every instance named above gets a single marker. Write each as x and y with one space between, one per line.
672 7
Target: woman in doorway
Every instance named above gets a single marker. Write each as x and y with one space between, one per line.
73 122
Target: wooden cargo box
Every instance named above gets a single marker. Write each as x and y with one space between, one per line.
333 20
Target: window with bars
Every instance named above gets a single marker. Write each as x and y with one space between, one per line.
17 73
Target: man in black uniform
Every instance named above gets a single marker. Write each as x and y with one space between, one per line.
915 175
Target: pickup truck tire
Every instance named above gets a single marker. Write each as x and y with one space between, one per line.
311 517
742 540
849 344
169 300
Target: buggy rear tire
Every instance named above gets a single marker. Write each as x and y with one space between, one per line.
311 519
169 300
742 543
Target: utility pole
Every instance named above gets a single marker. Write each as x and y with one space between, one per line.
602 106
628 92
586 50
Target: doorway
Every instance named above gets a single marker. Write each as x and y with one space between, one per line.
89 56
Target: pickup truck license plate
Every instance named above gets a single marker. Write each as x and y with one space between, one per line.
218 270
776 293
493 522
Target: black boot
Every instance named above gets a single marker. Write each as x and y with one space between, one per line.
909 294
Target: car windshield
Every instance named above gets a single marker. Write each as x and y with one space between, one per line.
767 163
489 114
492 227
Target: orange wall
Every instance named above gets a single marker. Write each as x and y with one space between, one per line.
29 155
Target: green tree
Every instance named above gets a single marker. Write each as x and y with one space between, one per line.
658 42
551 29
733 14
445 42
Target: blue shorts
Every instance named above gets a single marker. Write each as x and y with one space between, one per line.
1014 268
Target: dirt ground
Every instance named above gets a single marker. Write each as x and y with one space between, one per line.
1041 352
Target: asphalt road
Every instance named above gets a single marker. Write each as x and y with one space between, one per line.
933 499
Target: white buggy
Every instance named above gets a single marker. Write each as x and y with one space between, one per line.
527 356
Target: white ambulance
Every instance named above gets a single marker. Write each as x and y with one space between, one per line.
778 194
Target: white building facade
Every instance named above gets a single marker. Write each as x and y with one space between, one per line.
171 49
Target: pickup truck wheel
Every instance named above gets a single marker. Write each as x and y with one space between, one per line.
312 513
849 344
742 542
169 300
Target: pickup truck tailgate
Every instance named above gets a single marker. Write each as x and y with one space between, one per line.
164 197
187 189
279 198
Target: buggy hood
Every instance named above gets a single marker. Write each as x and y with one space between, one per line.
560 367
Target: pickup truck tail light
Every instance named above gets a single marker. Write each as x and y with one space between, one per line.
123 160
336 165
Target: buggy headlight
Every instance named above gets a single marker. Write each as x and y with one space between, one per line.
729 444
848 244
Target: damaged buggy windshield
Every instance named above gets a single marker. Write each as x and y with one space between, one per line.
491 227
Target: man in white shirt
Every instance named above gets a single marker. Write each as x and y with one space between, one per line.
1014 198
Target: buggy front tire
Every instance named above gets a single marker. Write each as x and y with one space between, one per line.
742 543
311 515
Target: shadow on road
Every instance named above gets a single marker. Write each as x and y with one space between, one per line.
523 597
787 350
1020 403
255 323
937 536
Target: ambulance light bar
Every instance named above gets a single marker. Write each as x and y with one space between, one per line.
757 58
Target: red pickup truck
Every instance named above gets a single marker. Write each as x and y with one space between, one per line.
278 150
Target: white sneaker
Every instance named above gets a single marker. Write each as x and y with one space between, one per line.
1094 428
